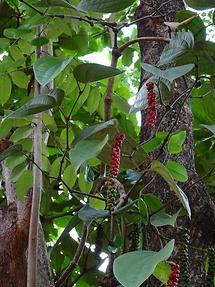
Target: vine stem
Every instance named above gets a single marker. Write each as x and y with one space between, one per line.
76 257
37 185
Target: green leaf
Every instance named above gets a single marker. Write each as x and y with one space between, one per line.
20 79
39 41
127 57
4 43
15 160
5 90
18 171
83 184
162 219
141 264
178 45
104 6
86 149
162 272
176 141
56 3
177 170
89 72
159 168
89 131
97 203
88 214
21 133
24 182
11 150
169 74
47 68
196 25
201 5
69 176
39 104
152 201
93 99
143 209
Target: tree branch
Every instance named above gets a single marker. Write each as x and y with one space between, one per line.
141 39
37 185
76 257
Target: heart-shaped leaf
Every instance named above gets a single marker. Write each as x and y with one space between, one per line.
141 264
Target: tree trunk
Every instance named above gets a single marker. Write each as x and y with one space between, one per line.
14 230
203 209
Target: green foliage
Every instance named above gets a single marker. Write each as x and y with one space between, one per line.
78 142
85 150
163 171
200 5
141 264
48 68
88 214
86 73
105 6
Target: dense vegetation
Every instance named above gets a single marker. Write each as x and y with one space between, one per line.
96 170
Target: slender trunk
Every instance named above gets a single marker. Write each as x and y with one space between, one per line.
202 234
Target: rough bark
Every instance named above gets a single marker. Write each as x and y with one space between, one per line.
14 227
203 209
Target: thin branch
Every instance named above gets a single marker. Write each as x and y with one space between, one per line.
141 39
76 257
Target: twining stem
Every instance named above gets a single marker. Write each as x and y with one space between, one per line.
37 185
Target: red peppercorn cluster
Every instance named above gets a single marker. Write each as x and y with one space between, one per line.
174 276
115 155
151 113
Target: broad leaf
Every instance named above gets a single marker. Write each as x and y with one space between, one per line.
162 272
164 172
89 131
176 141
200 4
39 41
104 6
89 72
88 214
12 150
141 264
56 3
48 68
39 104
86 149
177 170
169 74
178 45
5 90
162 219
